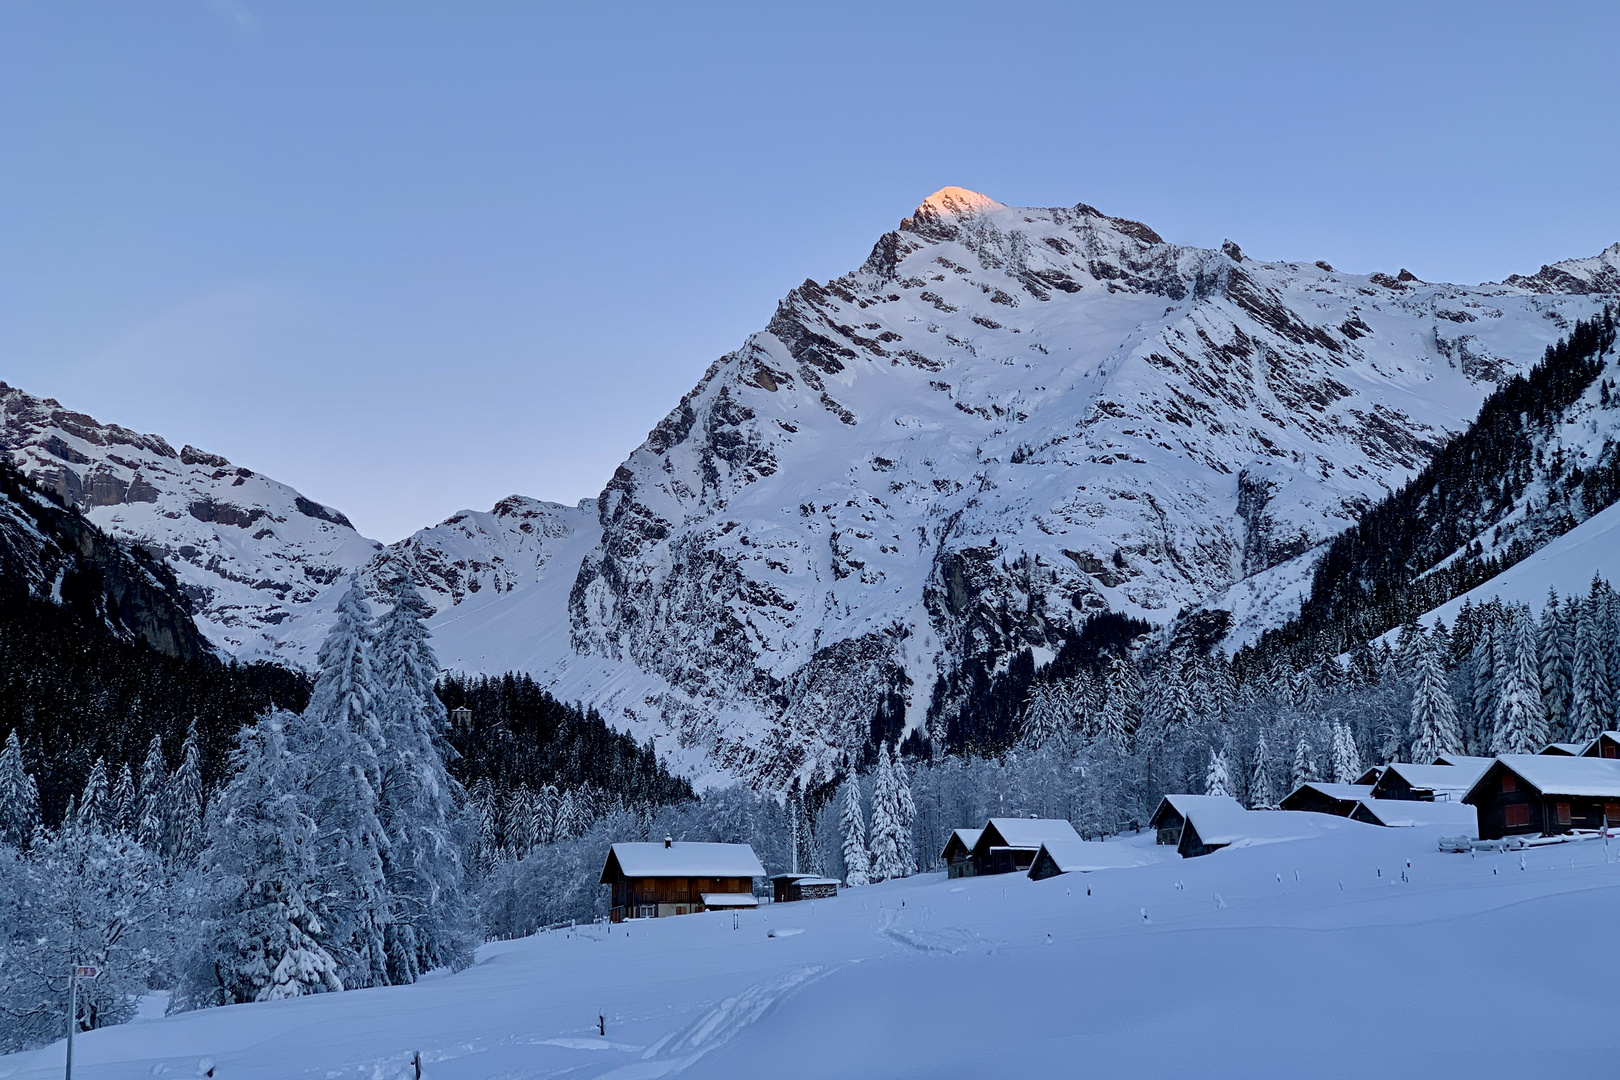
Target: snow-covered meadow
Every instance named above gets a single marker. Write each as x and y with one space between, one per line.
1362 952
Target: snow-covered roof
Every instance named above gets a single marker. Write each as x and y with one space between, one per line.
1028 833
1462 759
1345 792
968 838
1454 780
1184 804
1400 813
805 879
1223 825
1596 778
1081 856
730 899
1564 749
1592 745
683 859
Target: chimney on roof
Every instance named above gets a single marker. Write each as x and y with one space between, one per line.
668 841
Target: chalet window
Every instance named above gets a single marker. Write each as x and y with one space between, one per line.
1509 783
1518 814
1608 751
1611 810
1563 813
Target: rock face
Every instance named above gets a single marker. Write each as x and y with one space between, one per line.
50 552
252 554
1004 420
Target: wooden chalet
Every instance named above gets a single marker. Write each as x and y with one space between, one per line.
1084 856
1537 793
1008 845
1562 749
1606 745
1321 797
651 881
1220 823
1370 777
1458 819
958 853
1172 813
1429 783
787 888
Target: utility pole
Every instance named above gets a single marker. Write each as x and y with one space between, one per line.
75 973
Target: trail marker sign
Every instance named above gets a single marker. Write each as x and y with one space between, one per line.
87 972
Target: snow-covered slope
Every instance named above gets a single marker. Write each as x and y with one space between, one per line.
252 553
1004 420
1275 961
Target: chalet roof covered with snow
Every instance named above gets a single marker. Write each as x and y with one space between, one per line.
682 859
1185 804
1219 825
805 879
967 838
1548 774
1564 749
1026 833
1081 856
1461 760
1454 780
1407 813
729 900
1345 792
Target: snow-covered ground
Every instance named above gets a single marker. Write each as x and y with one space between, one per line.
1325 958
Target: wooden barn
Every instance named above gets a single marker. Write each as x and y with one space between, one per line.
1173 810
1459 819
958 853
787 888
1606 745
1008 845
1321 797
1083 856
1429 783
1537 793
651 881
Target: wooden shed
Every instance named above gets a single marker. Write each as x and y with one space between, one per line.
1606 745
1458 819
1429 783
1537 793
1321 797
1172 813
787 888
1084 856
1007 845
958 853
652 881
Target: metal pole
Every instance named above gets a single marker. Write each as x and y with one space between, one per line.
73 1015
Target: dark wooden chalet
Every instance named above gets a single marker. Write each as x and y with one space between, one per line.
1222 823
1084 856
1606 745
1370 777
1427 783
958 853
1172 813
1008 845
652 881
1546 794
1321 797
786 888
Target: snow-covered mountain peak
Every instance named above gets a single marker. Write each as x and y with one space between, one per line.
955 202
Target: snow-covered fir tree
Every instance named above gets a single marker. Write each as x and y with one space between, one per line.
1218 780
853 823
1519 725
1434 713
1557 664
1304 767
92 810
1591 694
151 798
1346 758
183 805
1122 705
905 816
19 796
261 936
1261 795
121 808
337 737
885 861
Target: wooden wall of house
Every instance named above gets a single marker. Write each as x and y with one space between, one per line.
1170 828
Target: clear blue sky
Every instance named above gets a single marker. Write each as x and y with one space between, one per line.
413 257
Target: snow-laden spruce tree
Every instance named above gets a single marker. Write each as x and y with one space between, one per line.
152 797
1557 664
183 806
1122 705
336 740
1592 695
19 797
1261 795
88 896
853 822
1304 769
885 861
1346 757
1218 781
1519 725
1434 713
92 810
420 805
260 937
121 807
905 816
